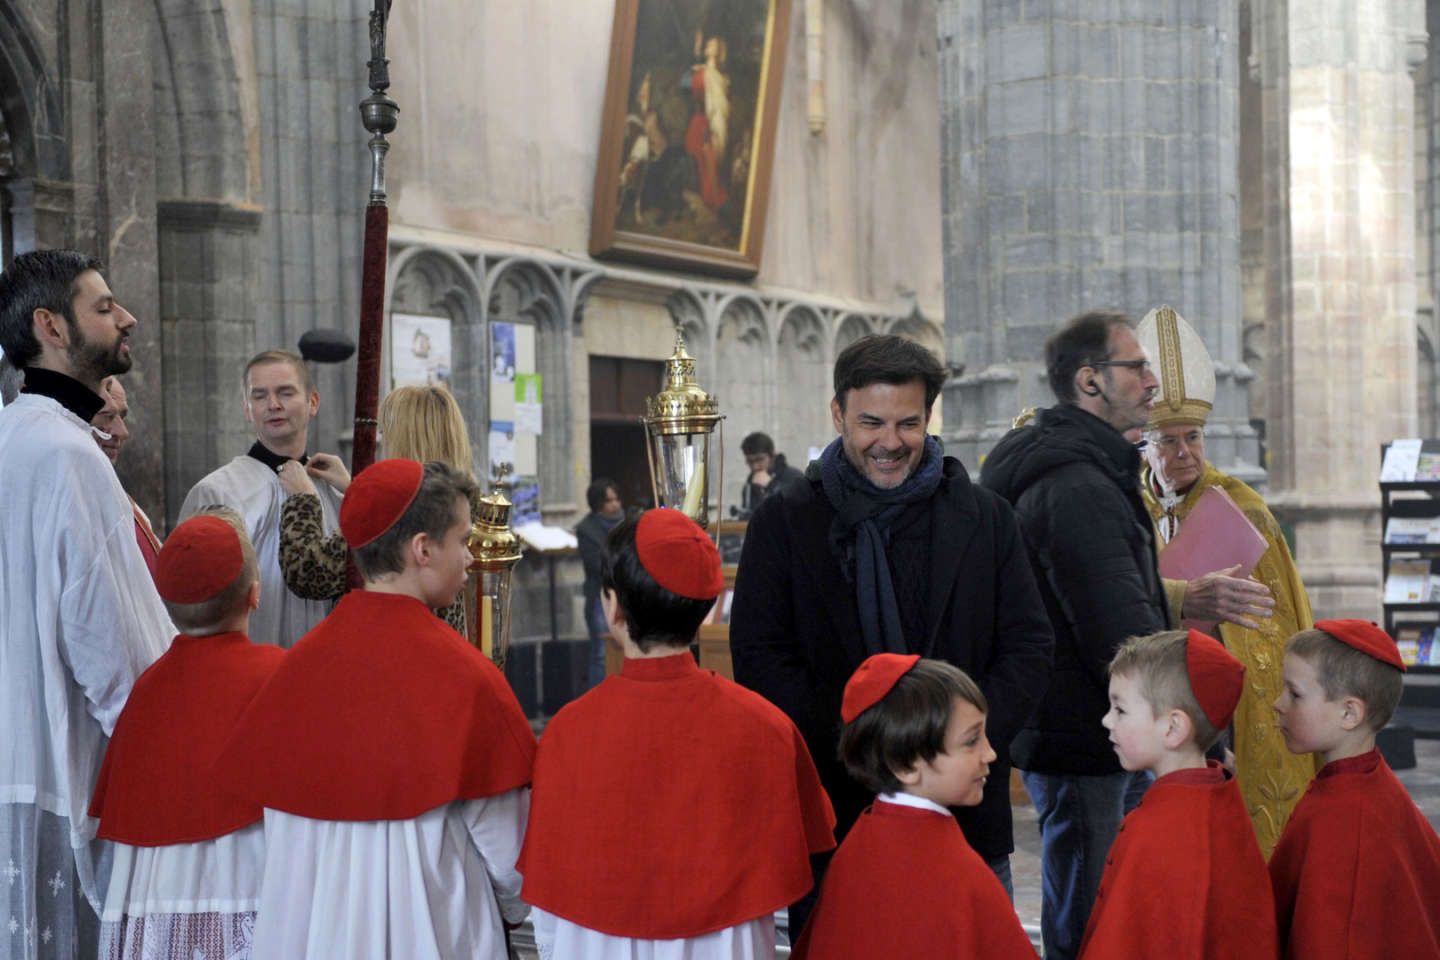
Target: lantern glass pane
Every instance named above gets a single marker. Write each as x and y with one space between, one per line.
682 475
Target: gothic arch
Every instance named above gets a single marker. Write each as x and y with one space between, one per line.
803 352
852 327
206 108
915 327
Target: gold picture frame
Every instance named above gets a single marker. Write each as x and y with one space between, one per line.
687 136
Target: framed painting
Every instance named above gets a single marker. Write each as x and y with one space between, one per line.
688 133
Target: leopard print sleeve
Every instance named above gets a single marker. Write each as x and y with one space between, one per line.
313 563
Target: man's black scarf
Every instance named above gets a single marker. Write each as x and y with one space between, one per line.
860 535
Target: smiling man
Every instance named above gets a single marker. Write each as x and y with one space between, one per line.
1073 478
79 616
112 433
280 399
887 547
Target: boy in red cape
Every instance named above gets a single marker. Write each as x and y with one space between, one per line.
1185 877
1357 870
905 883
188 856
674 811
389 754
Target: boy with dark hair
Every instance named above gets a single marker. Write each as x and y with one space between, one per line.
188 855
915 735
1184 877
389 754
674 811
1357 870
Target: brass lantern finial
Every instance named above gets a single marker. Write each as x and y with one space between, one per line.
682 406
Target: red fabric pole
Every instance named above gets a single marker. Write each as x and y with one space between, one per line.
372 330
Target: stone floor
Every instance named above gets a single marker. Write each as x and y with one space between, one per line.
1423 782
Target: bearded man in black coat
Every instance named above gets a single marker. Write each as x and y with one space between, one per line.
887 546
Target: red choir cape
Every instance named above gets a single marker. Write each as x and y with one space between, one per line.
906 884
669 802
1357 870
159 784
1185 878
381 712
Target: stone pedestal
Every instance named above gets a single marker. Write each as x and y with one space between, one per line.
1087 163
1338 113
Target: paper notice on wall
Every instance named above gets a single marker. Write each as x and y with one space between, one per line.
528 418
524 348
527 461
502 352
419 350
502 445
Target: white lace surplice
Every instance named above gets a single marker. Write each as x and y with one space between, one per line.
430 888
185 901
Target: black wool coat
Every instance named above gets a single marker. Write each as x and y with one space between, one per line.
1075 484
795 629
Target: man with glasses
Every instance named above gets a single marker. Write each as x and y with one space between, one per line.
1073 479
1256 615
768 472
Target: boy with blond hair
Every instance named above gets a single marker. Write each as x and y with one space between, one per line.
188 854
1185 877
915 735
1357 870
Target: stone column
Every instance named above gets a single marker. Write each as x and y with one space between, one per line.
207 329
1086 163
1338 105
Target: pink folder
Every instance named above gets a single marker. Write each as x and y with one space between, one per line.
1215 536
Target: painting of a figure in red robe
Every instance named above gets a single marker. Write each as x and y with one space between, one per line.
687 138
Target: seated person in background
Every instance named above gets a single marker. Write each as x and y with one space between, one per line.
1357 870
188 855
768 472
1184 877
674 811
391 756
915 734
416 423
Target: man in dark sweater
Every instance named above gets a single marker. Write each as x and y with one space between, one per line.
768 472
1072 477
886 546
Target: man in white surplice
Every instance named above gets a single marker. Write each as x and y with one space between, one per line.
79 615
280 399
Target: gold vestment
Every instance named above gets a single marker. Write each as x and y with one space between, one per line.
1271 778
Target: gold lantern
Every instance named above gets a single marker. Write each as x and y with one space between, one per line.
494 551
679 421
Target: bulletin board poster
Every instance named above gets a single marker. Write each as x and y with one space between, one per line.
419 350
516 401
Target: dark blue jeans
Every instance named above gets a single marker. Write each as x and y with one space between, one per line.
1079 818
596 626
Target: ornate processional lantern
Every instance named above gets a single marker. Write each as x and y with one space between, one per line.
679 421
494 551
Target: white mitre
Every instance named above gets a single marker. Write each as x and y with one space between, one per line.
1183 366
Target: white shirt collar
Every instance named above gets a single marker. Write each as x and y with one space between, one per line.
910 800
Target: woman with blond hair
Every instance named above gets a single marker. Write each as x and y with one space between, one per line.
417 423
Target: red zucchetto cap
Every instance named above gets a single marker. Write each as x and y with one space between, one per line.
675 551
1216 677
378 496
1365 636
201 557
875 678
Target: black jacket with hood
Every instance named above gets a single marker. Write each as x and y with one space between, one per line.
1074 483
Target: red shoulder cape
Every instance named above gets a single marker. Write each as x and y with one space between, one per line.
906 884
1184 878
158 784
1357 870
379 713
669 802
